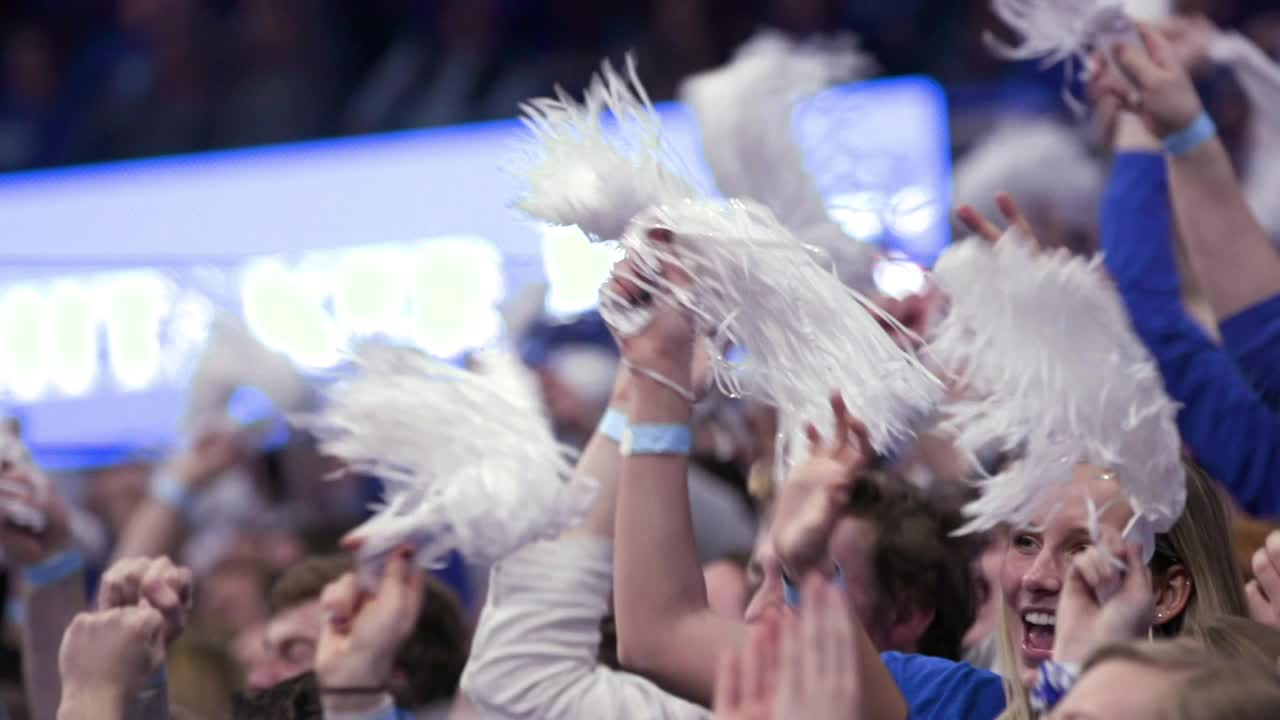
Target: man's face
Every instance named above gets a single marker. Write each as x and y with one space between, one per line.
290 643
850 545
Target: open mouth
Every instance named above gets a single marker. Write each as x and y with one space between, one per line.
1038 628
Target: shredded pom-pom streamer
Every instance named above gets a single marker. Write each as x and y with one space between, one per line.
1044 343
805 333
467 463
745 111
580 171
232 359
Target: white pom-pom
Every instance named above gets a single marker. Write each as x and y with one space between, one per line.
1013 158
1044 343
232 359
578 170
467 463
745 112
806 334
1062 31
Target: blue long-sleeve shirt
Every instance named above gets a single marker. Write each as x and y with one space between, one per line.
1252 336
1225 419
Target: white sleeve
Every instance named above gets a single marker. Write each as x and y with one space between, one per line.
534 653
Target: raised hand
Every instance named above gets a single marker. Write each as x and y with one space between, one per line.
150 582
1189 37
1263 591
212 454
106 656
747 678
358 645
979 225
1162 93
817 673
811 499
34 524
1106 597
665 344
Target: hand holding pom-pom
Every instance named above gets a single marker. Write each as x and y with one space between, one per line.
665 344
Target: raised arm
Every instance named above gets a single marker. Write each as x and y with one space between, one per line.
535 653
665 628
52 587
1228 249
1223 420
159 526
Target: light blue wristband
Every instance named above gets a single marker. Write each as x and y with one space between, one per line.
1200 131
613 424
791 593
54 569
167 490
657 440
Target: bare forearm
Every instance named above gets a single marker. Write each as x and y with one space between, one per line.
1229 250
49 611
90 705
664 626
156 529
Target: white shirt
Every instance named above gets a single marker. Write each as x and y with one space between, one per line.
534 653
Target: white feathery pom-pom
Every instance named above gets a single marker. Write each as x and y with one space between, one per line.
1259 77
1013 157
467 464
1044 343
745 111
580 170
1062 31
232 359
806 334
509 376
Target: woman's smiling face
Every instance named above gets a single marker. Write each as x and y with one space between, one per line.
1037 559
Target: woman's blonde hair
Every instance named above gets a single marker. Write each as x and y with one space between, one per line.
1217 682
1200 542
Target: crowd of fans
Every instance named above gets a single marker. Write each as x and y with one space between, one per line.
222 581
93 80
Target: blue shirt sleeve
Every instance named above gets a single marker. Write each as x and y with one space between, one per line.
1252 336
1224 421
938 689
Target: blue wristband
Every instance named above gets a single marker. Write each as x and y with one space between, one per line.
167 490
613 424
791 593
54 569
1200 131
657 440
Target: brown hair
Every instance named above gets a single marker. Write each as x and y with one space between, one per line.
429 664
306 580
916 560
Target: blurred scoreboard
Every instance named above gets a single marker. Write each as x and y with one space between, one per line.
110 274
